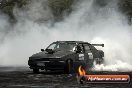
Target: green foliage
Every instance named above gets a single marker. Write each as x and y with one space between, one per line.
8 5
21 3
126 7
59 7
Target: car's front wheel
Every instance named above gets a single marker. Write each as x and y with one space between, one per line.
69 66
35 70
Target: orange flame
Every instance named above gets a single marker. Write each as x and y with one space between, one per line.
81 71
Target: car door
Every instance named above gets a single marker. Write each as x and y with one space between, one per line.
81 53
79 56
85 54
88 55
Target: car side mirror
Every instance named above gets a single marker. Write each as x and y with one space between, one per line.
42 50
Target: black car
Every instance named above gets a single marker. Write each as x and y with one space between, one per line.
66 56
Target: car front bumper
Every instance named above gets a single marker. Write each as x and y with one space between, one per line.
47 65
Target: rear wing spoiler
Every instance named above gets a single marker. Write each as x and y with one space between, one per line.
98 45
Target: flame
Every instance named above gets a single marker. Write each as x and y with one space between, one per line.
81 71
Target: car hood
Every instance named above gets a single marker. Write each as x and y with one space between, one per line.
57 54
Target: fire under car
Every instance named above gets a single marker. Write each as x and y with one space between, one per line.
66 56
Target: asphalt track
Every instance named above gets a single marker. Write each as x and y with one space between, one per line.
22 77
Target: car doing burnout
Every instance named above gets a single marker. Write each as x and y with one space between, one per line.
66 56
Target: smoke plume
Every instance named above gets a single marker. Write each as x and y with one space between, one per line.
89 21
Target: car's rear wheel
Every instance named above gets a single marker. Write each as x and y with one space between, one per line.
35 70
99 61
69 66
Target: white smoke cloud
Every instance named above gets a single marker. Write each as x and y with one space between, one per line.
35 29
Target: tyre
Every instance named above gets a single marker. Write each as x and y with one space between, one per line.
35 70
82 80
69 66
89 65
99 61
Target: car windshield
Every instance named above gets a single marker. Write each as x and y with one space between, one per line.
61 46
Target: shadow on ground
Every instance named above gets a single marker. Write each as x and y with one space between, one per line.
26 79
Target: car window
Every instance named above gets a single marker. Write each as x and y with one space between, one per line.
82 48
93 50
61 46
86 47
65 46
52 46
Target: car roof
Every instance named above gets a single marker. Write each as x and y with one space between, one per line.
78 42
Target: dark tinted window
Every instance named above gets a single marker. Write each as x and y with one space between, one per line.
86 47
61 46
